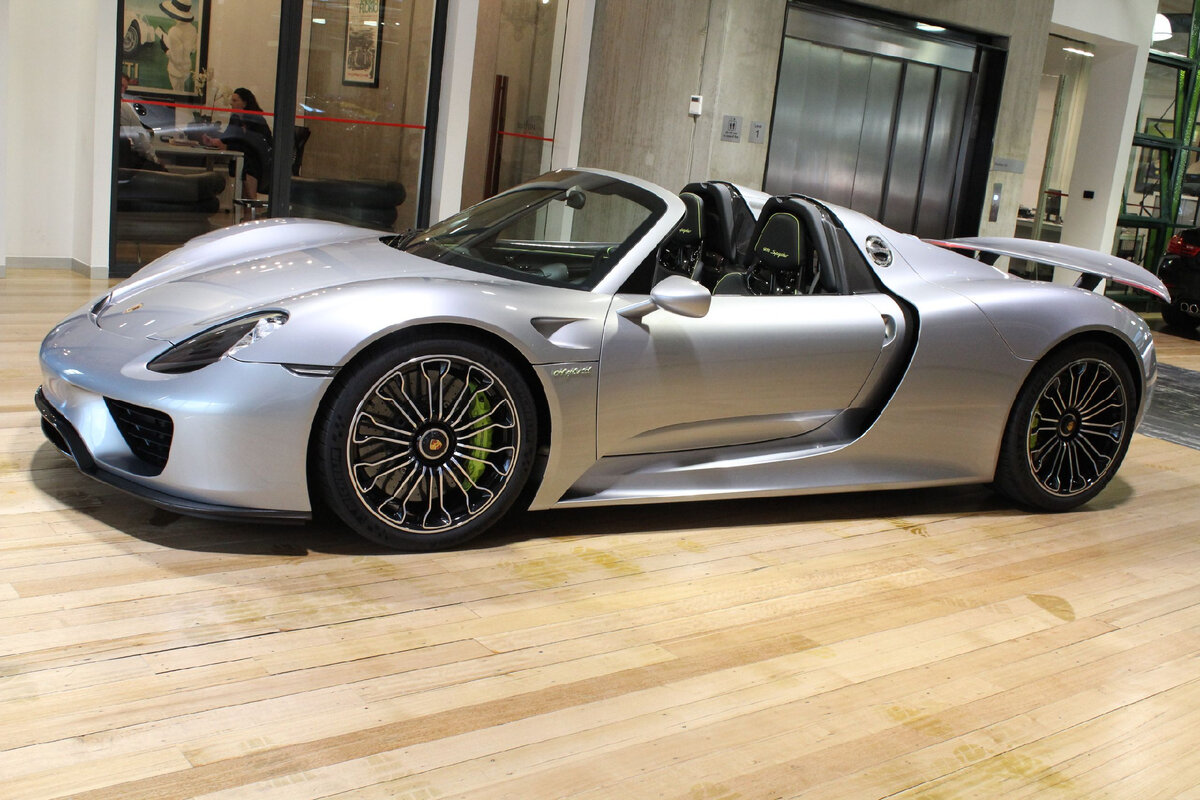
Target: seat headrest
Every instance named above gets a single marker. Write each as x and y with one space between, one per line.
691 227
781 245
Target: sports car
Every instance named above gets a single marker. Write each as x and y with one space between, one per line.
1179 270
590 338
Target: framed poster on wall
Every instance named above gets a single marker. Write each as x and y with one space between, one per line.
364 38
164 46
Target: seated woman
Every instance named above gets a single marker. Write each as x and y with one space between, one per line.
250 134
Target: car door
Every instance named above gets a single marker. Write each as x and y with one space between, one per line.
752 369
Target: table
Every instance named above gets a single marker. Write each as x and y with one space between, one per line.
211 156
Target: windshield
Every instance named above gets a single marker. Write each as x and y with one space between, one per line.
566 228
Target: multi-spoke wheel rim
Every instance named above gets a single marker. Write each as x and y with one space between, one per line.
1077 428
433 444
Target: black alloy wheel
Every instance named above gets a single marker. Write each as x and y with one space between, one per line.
426 446
1069 429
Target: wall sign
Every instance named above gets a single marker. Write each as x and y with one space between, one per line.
731 129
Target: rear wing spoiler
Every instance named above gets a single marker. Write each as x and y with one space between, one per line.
1092 264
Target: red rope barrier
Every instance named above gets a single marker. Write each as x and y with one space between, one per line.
298 116
524 136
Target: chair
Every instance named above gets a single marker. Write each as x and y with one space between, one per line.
780 263
728 225
254 204
301 139
680 254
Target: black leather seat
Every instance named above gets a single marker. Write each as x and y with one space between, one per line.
779 263
786 258
728 226
680 254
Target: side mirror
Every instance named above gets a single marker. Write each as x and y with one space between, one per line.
576 199
677 294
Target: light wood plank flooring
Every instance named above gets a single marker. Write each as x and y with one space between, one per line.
933 644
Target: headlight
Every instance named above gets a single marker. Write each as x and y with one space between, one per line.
214 344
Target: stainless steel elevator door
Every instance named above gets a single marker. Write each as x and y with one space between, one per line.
880 134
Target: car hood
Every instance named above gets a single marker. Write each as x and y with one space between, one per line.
245 268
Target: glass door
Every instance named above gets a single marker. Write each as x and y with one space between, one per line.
514 94
197 143
362 92
195 140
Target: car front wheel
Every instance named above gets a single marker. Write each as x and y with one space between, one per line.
1069 429
426 446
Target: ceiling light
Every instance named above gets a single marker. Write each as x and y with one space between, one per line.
925 26
1162 28
1079 52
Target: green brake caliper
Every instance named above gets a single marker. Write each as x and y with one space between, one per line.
480 411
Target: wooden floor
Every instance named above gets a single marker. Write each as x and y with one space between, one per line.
933 644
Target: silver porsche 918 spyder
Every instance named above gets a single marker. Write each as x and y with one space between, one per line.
586 339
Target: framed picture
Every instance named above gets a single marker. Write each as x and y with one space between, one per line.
164 46
364 38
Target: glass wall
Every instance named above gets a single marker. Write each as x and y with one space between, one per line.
198 87
196 143
514 90
360 119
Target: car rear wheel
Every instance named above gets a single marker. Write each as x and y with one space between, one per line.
426 446
1069 429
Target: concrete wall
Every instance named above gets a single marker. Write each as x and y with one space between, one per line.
648 57
741 60
646 63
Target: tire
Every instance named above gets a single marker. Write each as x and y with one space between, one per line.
132 38
1175 317
427 445
1069 429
